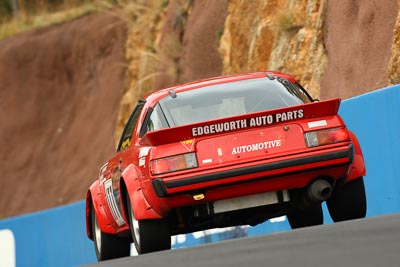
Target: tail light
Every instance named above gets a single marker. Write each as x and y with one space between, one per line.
326 137
173 163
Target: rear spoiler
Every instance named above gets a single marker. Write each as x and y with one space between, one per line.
247 121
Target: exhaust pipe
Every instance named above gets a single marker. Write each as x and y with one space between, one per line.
319 191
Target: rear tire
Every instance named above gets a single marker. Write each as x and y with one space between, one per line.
348 201
108 246
149 235
306 216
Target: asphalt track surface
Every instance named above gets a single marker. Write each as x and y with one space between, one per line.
367 242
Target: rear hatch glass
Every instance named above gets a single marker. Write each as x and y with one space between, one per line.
231 99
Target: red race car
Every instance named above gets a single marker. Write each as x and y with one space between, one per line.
233 150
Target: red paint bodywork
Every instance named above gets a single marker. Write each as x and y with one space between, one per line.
215 155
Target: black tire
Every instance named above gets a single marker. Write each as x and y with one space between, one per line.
306 216
108 246
149 235
348 201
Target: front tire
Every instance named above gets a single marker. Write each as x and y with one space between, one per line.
149 235
108 246
348 201
309 215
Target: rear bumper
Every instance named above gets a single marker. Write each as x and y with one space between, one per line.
345 155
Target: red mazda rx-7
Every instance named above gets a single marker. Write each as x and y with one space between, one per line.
226 151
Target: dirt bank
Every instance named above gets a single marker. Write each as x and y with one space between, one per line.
59 97
358 42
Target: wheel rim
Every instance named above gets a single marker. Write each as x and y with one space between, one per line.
135 229
97 233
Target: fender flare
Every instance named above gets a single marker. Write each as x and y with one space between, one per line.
357 168
130 185
93 201
89 230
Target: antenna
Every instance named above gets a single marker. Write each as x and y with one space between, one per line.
172 93
270 76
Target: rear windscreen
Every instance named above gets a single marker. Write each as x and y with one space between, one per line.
231 99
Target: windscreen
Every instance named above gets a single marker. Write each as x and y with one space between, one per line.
231 99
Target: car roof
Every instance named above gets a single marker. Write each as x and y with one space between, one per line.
156 96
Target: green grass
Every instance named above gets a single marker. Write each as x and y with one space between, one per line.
288 21
26 22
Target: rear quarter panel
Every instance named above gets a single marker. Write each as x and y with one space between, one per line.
140 205
358 168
